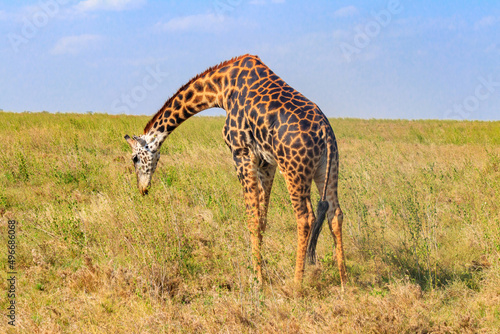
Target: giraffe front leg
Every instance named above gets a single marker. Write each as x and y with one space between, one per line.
246 168
266 178
254 226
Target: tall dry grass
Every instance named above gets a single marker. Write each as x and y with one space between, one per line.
422 232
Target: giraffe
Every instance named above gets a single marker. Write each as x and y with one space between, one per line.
268 125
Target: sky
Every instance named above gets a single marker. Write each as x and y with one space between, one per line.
395 59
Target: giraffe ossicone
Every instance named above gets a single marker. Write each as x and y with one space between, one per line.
268 125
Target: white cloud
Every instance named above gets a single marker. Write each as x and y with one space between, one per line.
346 11
208 23
190 22
112 5
42 12
413 27
75 44
486 22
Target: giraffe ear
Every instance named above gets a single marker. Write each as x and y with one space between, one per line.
129 140
140 140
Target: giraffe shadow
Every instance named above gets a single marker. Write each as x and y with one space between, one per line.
429 274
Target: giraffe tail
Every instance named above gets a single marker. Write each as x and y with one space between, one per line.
313 239
323 204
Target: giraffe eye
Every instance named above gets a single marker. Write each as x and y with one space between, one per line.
135 159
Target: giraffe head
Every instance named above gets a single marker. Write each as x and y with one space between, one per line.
145 156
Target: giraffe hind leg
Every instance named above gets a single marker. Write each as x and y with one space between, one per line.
299 188
335 224
334 216
305 219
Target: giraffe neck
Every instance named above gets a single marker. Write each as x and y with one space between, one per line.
207 90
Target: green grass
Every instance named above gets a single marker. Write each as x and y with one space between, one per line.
422 232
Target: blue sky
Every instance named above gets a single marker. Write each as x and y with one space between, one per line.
365 59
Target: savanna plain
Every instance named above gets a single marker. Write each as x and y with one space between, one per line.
421 202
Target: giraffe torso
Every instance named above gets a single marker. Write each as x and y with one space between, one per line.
272 120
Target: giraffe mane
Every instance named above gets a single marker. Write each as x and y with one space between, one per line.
149 125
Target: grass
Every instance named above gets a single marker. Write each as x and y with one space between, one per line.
422 232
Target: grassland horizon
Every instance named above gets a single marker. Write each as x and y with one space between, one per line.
421 215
